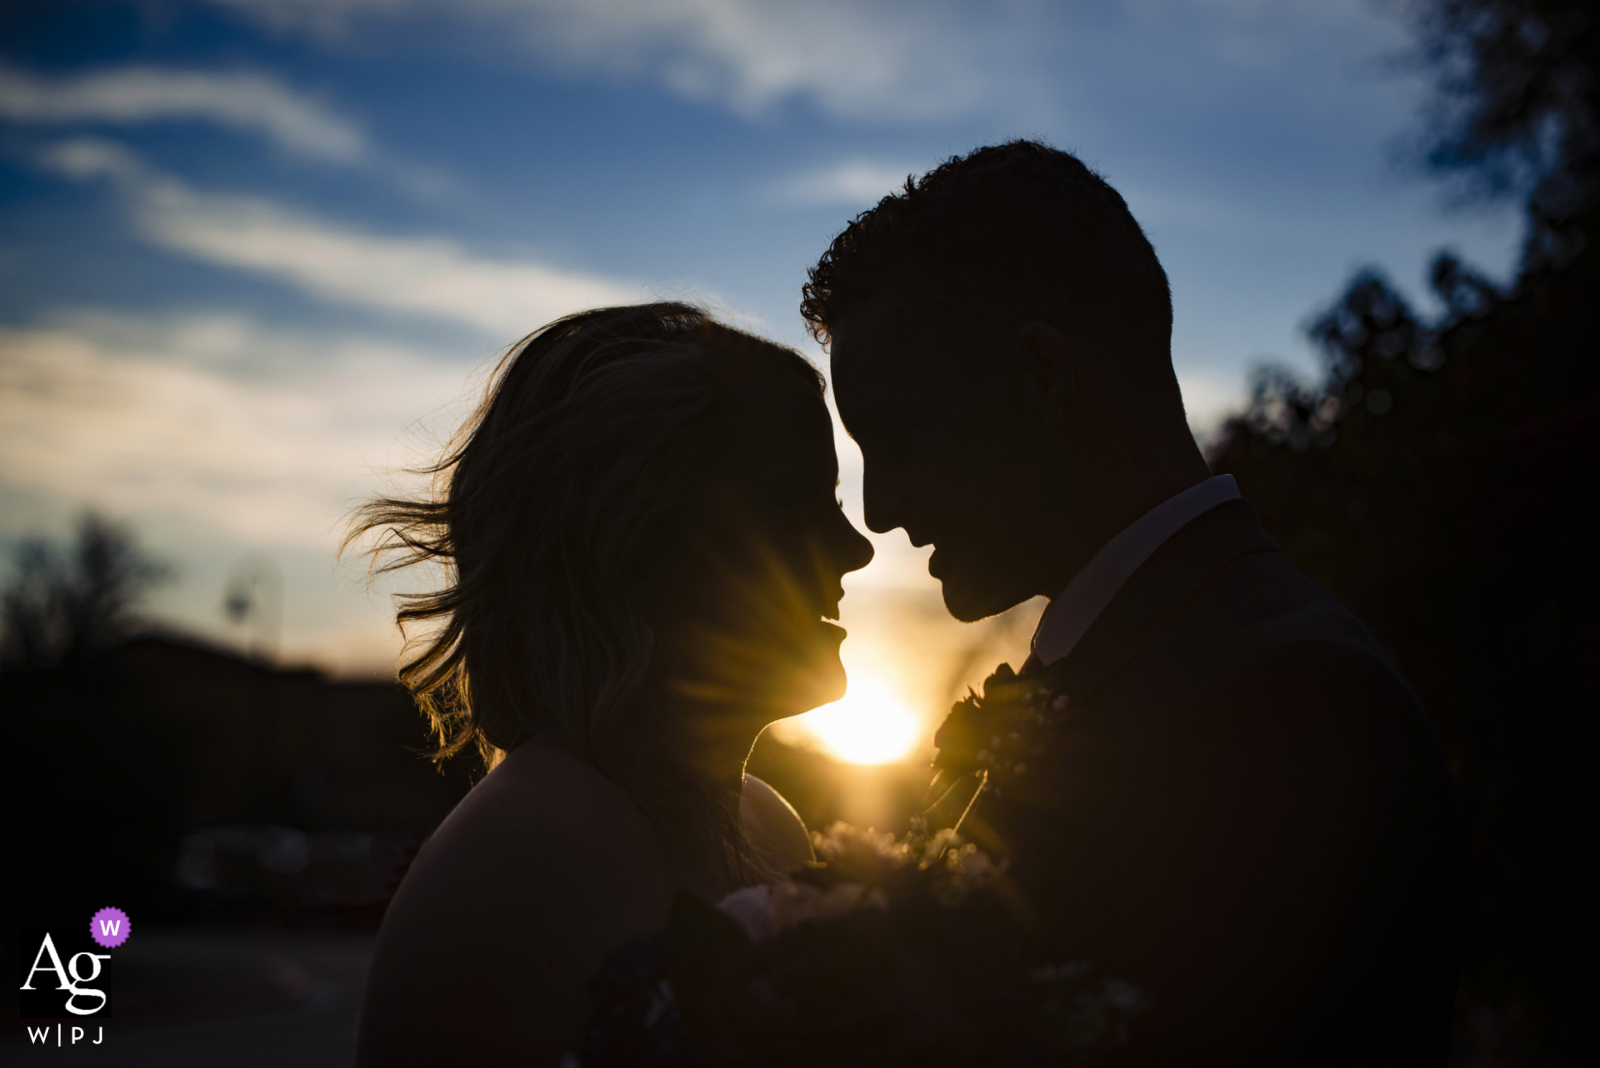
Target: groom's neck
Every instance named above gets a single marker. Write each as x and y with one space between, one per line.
1113 475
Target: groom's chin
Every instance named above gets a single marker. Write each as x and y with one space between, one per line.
969 602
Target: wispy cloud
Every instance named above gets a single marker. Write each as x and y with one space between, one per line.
850 57
214 433
144 417
335 262
849 182
246 101
935 59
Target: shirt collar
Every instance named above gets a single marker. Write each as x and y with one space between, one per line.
1070 615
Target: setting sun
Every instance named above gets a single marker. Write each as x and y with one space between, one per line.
869 725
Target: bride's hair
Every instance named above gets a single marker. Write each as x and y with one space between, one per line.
551 513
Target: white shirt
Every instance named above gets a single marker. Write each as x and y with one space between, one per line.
1070 615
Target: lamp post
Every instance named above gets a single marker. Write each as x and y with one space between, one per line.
254 595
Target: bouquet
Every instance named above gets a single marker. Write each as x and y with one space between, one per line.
885 952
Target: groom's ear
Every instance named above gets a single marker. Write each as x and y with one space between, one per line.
1049 374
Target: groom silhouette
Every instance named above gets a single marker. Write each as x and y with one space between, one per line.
1244 810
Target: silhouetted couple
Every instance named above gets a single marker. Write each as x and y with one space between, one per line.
1232 799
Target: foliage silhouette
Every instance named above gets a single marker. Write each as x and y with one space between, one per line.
1443 480
63 608
1517 107
97 776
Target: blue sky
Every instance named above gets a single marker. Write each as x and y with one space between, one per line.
256 254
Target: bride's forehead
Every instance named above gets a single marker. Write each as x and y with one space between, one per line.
768 396
777 428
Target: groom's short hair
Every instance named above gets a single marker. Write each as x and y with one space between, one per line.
1014 221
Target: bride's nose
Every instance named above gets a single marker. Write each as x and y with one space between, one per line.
853 551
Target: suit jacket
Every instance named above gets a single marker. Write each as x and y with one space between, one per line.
1246 814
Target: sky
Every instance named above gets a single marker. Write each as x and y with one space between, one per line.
257 255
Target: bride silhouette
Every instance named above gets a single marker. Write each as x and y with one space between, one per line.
641 548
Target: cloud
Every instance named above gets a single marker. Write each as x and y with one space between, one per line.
848 182
214 434
141 416
871 58
245 101
334 262
935 59
1031 63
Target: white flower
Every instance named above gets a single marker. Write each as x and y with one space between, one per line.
749 909
763 911
1121 994
1049 973
791 903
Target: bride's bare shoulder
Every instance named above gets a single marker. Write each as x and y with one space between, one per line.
548 790
539 810
543 868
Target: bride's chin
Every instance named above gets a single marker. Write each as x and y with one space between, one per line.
816 685
830 684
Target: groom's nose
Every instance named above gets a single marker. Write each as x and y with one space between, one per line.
881 501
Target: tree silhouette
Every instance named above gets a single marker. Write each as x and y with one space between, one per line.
1442 478
1516 107
64 607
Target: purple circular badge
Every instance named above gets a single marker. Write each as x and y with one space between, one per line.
110 927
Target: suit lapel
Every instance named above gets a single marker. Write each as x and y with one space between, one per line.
1172 575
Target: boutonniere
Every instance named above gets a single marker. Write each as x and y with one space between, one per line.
995 734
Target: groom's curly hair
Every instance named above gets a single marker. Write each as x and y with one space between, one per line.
1019 219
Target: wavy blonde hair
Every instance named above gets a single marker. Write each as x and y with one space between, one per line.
552 514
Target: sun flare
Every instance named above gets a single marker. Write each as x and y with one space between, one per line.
869 725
